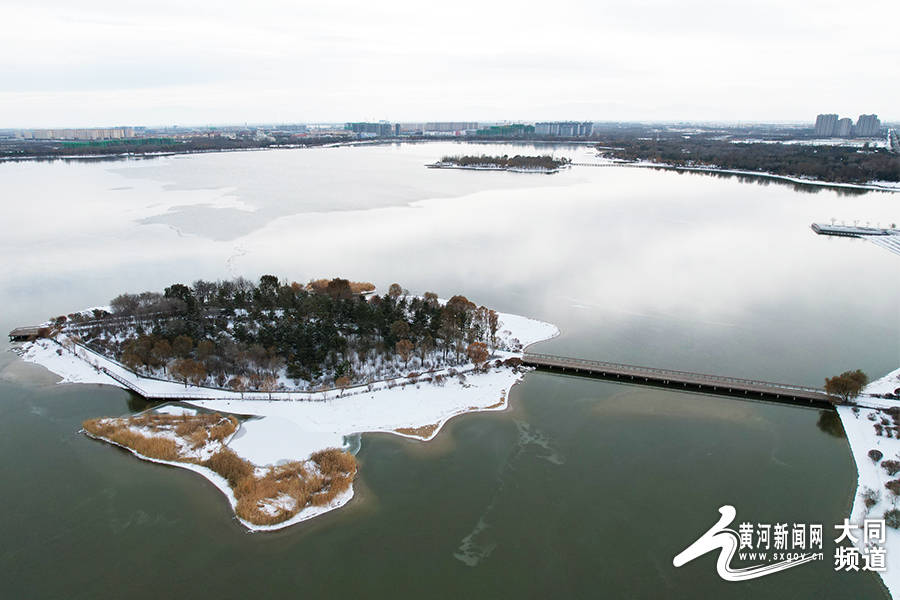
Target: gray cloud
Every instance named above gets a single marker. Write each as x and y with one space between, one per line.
99 61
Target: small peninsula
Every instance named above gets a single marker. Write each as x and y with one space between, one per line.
268 385
517 163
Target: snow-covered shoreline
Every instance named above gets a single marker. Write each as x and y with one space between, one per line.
222 485
859 426
879 186
293 425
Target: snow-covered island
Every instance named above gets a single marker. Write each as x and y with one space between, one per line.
519 164
272 429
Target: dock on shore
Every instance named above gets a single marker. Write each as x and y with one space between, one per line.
852 231
27 334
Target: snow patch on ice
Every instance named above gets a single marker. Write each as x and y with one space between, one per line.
172 409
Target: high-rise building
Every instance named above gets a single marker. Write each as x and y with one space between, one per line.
370 129
825 125
868 126
843 128
103 133
828 125
449 127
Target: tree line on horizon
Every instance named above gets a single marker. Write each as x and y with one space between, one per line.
826 163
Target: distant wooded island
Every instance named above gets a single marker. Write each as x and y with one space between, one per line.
543 164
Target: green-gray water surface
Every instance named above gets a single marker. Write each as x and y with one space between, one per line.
583 489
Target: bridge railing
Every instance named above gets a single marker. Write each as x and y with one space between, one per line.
674 374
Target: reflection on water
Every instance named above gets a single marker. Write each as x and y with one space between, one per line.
830 423
138 403
797 186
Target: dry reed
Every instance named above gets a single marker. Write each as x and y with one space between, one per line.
278 495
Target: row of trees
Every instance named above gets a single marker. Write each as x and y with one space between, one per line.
826 163
511 162
267 333
62 149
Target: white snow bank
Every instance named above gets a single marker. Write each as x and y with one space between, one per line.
527 331
294 430
862 437
171 409
71 368
885 385
275 440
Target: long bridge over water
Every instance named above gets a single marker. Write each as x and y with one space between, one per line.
625 373
685 380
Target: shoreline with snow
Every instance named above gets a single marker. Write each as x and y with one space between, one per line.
865 426
292 425
876 186
221 484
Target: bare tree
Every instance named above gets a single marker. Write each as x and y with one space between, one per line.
477 353
342 382
404 348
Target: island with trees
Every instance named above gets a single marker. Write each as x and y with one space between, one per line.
280 336
517 163
267 384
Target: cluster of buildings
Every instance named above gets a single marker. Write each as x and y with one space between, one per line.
382 129
385 129
829 125
99 133
563 129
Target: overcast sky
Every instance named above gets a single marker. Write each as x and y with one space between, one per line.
154 62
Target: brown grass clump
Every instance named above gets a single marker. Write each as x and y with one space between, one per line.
230 466
272 498
223 429
287 489
291 483
117 432
423 432
332 462
337 469
197 430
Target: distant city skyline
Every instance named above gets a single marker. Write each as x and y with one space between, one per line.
99 63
